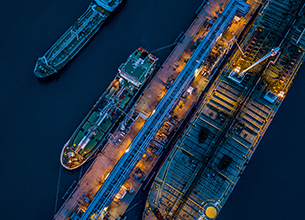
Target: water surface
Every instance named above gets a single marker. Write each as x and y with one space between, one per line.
38 117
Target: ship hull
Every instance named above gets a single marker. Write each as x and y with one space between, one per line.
71 42
113 106
100 135
209 158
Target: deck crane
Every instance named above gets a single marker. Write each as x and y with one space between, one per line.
230 44
238 77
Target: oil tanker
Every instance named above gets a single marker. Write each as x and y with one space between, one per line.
72 41
114 102
201 171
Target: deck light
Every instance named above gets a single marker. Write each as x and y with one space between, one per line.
281 94
237 69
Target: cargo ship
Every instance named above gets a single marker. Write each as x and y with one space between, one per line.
72 41
114 103
202 169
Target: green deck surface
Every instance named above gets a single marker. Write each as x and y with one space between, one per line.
80 134
124 101
93 117
137 73
105 125
92 143
99 134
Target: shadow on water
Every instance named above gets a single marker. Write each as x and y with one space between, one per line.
56 76
114 15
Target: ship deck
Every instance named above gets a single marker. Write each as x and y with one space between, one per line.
82 30
222 136
114 100
69 44
138 67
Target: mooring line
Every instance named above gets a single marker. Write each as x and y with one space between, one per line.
80 173
58 183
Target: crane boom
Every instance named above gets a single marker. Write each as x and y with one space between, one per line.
273 52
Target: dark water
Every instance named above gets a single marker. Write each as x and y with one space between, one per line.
37 118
